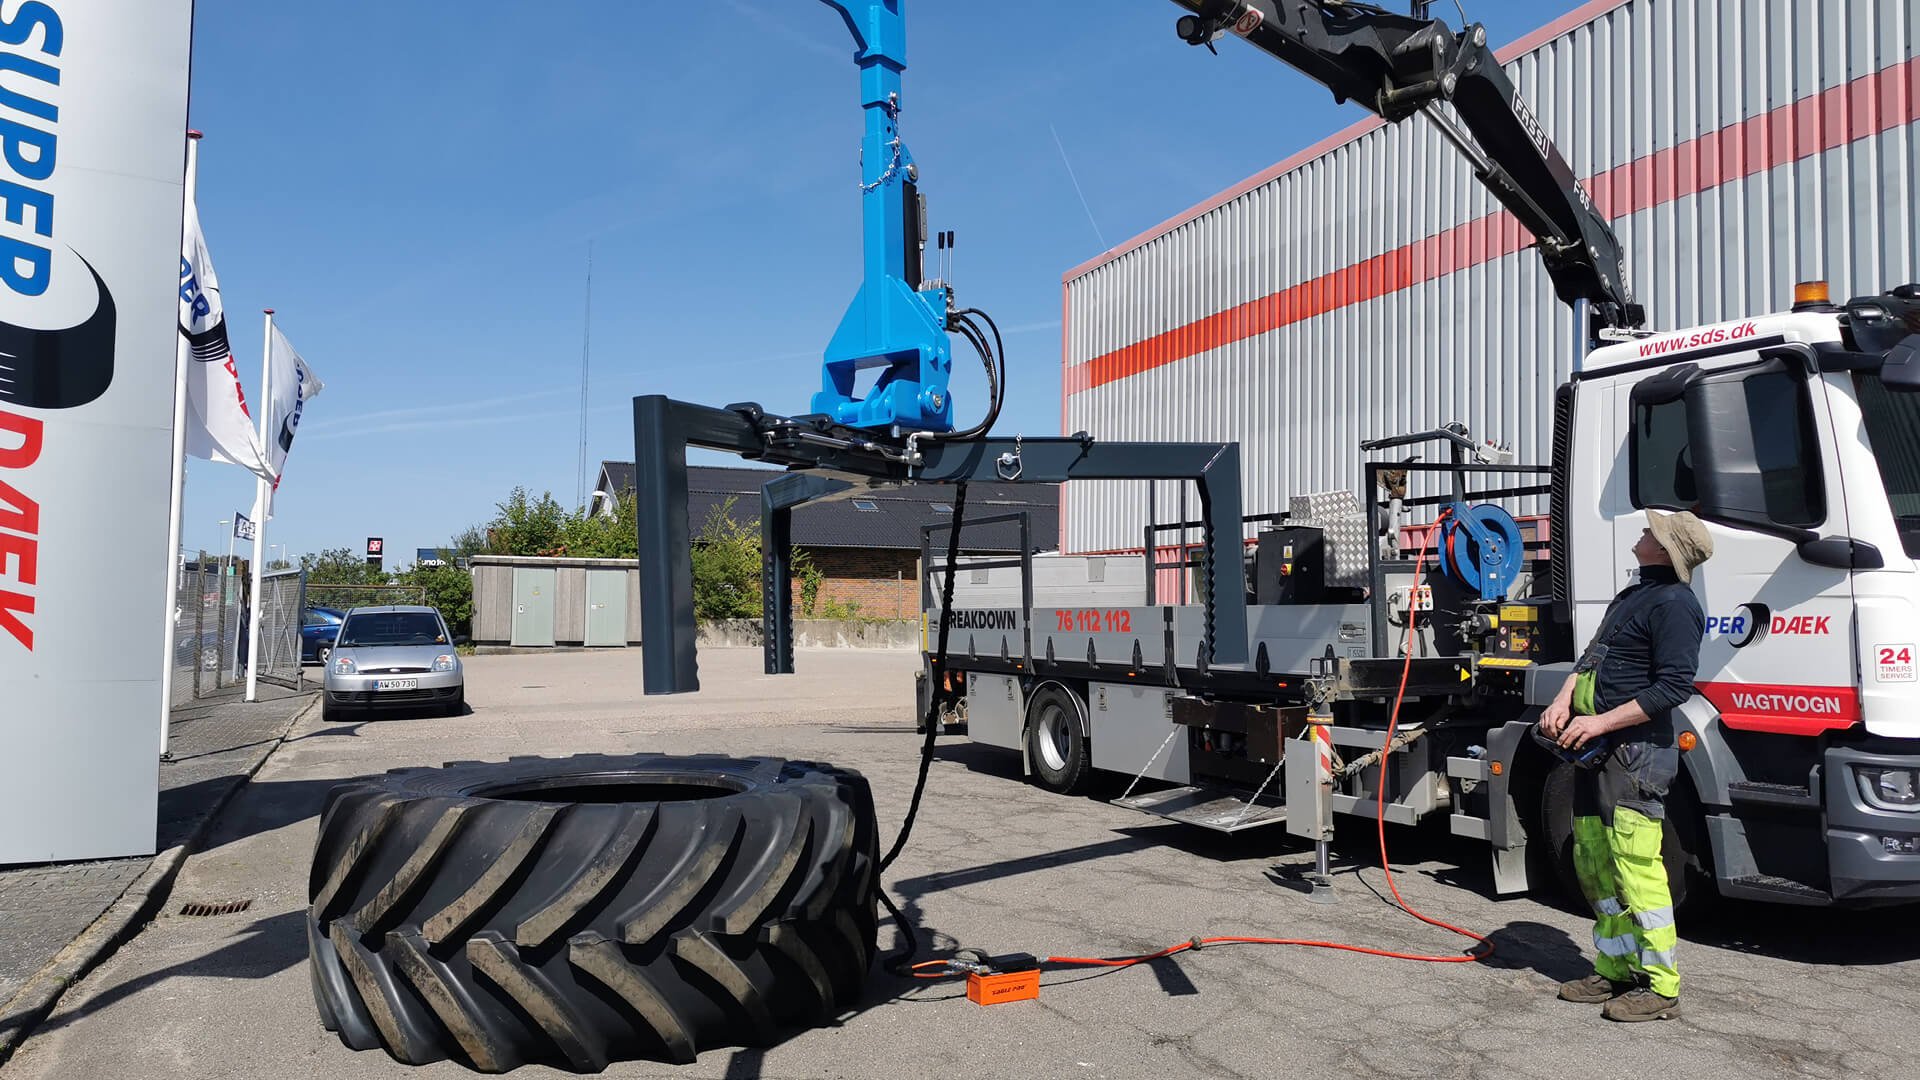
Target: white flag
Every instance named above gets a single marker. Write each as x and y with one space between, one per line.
293 384
218 425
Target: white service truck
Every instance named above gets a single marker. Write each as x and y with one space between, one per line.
1795 436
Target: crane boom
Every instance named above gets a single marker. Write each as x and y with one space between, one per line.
1398 65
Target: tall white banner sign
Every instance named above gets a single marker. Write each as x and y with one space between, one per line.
93 113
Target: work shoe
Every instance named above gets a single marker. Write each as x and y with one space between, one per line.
1593 989
1641 1004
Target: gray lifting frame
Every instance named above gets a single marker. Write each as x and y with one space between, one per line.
830 460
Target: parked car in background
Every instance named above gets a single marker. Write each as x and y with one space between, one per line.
318 627
393 658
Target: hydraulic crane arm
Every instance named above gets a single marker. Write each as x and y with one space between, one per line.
1398 65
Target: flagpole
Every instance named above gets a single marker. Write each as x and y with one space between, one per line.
175 519
261 493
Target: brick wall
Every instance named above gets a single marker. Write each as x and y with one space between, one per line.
885 584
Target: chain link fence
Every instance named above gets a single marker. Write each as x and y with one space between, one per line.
207 631
283 603
348 597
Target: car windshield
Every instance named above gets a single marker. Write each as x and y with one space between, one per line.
1893 431
391 628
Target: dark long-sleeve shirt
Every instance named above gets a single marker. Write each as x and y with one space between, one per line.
1651 635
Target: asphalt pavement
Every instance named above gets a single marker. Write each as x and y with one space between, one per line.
1000 865
57 920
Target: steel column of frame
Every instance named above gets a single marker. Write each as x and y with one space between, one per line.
778 497
933 584
663 429
1026 585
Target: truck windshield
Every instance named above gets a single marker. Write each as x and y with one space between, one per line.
391 628
1893 433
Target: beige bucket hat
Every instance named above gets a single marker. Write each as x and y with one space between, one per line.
1687 541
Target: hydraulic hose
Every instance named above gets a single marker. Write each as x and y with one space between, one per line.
993 358
936 677
1482 951
962 322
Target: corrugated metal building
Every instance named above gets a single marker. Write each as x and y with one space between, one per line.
1370 286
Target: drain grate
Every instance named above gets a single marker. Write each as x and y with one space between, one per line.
199 909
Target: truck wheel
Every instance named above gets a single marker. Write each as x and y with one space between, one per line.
584 910
1055 744
1677 840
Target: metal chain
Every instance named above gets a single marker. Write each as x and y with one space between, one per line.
1248 809
892 106
1156 757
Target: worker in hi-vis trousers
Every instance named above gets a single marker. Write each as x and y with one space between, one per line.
1639 667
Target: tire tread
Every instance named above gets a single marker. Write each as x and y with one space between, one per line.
506 931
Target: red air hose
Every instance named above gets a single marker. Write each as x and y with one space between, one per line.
1485 947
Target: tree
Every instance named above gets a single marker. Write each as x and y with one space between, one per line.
726 568
471 540
448 588
587 535
340 566
524 525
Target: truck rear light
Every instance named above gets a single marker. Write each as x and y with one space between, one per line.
1892 788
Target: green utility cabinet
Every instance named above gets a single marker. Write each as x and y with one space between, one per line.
533 590
606 608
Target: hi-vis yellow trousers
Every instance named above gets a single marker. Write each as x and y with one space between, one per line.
1618 809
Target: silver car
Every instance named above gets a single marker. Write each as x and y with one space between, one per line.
394 658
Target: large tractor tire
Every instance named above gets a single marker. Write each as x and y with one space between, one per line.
584 910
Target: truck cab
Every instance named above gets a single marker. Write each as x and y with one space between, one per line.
1799 448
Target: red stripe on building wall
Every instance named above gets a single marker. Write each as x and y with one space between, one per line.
1867 106
1565 24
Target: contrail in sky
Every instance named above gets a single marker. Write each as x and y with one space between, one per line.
1071 175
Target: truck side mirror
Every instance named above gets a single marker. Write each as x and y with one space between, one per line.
1722 471
1890 326
1901 372
1726 462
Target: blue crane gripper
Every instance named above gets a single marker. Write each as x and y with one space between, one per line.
893 322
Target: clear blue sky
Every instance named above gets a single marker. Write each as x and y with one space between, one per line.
413 187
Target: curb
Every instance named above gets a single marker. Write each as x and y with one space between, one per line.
125 917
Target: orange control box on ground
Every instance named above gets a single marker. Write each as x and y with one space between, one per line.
1008 986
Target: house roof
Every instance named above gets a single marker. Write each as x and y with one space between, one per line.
616 477
885 518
